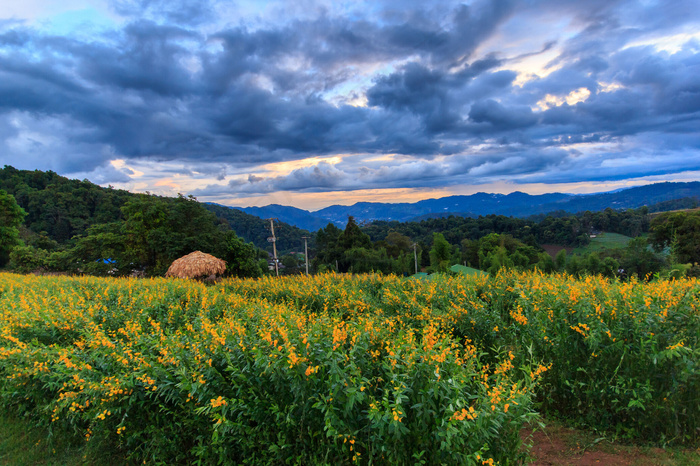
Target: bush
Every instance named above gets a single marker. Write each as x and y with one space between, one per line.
26 259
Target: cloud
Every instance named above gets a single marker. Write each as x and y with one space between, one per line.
185 12
219 96
497 117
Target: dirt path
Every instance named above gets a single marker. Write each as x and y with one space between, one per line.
558 445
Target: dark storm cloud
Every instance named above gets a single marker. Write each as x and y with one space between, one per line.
147 58
177 82
496 117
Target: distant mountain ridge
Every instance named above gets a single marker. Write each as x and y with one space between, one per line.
516 204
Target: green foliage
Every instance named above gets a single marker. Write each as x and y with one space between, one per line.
243 259
25 259
79 227
363 260
59 207
680 232
23 444
329 250
174 372
353 237
560 260
440 253
639 260
11 217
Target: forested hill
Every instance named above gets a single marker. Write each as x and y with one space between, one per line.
257 230
59 209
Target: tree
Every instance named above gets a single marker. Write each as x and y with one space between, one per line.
159 230
101 252
329 250
354 237
440 253
681 232
11 217
545 263
610 267
25 259
560 260
242 259
397 244
639 260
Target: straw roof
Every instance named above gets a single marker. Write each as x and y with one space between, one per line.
196 264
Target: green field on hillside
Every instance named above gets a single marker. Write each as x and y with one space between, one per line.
457 268
604 241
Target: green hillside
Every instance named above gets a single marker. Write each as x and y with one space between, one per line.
603 241
457 268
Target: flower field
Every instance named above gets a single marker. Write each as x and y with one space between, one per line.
363 369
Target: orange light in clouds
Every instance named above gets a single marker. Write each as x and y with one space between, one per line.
285 168
167 182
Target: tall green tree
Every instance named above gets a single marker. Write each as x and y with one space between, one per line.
243 259
159 230
355 245
440 253
681 232
328 249
11 217
354 237
638 259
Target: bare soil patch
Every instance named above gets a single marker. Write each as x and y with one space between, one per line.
553 249
560 445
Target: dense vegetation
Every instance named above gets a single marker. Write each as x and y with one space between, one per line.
343 369
78 227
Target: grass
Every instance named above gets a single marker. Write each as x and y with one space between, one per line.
23 444
604 241
466 270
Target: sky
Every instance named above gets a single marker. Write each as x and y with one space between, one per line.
318 102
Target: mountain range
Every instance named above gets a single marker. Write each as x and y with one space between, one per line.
516 204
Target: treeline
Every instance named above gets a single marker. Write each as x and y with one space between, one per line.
558 227
352 250
56 224
59 209
153 233
492 242
77 226
52 223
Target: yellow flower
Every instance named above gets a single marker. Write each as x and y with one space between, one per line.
216 402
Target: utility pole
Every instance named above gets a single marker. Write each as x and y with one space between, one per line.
415 256
273 240
306 254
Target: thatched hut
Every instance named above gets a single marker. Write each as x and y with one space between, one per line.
195 265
